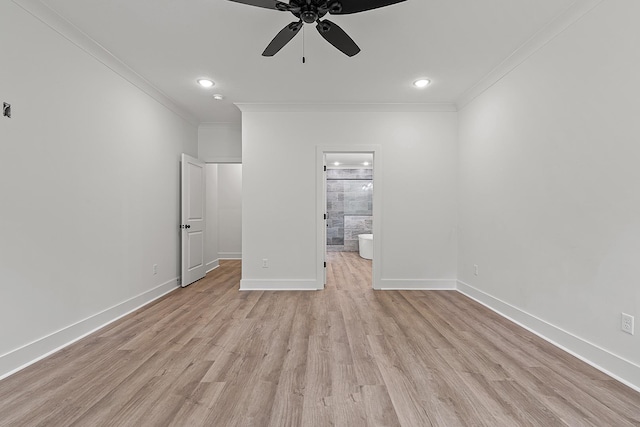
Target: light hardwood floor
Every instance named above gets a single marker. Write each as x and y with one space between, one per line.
209 355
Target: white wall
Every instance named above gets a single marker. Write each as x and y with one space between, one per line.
418 178
230 211
211 239
89 187
549 200
220 142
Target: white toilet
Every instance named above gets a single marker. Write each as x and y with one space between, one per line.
365 244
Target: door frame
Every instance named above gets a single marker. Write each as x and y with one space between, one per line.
321 207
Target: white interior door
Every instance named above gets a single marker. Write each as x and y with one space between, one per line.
192 220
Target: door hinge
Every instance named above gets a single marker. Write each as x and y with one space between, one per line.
325 168
325 264
325 216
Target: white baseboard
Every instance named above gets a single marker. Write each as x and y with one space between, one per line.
417 284
278 285
212 265
28 354
615 366
229 255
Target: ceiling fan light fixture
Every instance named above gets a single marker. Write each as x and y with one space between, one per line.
206 83
421 83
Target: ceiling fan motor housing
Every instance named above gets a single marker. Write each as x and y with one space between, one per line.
309 16
310 13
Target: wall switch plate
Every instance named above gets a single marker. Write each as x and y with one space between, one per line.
265 263
627 323
6 109
475 269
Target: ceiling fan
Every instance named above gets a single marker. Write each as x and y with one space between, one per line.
310 11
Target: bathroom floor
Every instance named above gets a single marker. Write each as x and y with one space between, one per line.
335 248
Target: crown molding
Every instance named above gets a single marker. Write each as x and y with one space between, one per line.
557 26
345 108
216 125
76 36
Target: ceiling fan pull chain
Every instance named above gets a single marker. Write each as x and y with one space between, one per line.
303 58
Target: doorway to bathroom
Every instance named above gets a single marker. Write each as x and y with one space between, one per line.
348 205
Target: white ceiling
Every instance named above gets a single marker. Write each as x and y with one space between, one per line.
171 43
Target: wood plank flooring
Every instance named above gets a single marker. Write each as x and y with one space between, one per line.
209 355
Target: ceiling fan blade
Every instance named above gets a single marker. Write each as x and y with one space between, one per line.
337 37
345 7
267 4
282 38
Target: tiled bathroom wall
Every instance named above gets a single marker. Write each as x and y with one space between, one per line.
349 207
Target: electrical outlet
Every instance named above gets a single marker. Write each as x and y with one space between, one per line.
627 323
475 269
155 269
265 263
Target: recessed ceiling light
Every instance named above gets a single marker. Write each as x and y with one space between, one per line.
421 83
366 163
205 83
336 163
218 97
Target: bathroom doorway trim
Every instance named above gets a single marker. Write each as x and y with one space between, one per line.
321 208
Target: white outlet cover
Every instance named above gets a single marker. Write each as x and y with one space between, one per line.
626 324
